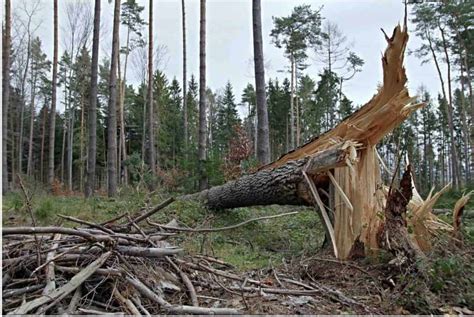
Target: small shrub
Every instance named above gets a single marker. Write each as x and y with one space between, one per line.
46 209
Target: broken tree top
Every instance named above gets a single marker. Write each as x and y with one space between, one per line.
385 111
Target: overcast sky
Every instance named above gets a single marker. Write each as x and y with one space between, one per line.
229 39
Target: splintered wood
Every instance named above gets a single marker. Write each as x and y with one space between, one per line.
358 195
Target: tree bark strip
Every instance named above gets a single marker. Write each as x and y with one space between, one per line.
52 114
112 108
202 100
151 111
92 115
6 92
263 137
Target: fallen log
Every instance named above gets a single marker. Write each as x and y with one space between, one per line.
284 185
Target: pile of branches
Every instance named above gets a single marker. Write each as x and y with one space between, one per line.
96 268
120 267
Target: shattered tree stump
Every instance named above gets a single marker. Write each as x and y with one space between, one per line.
349 181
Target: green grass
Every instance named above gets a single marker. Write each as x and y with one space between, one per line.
46 207
255 245
448 199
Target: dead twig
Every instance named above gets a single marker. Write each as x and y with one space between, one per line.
222 228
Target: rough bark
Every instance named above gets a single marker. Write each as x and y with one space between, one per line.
122 145
112 108
263 137
92 116
29 166
43 136
292 104
70 146
202 99
151 112
185 80
394 235
5 92
52 114
284 185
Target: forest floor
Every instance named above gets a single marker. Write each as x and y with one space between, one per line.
278 251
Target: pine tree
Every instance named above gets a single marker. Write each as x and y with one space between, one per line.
38 79
227 119
296 33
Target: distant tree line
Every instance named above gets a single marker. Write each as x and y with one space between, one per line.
182 135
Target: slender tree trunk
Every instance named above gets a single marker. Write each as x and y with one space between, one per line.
81 148
292 104
465 124
263 138
52 115
144 122
112 108
70 144
185 80
443 91
454 156
63 151
202 100
43 137
5 92
29 166
20 132
23 102
464 61
123 147
63 146
298 118
151 111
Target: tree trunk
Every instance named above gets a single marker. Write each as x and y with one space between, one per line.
292 104
284 185
263 138
202 100
151 111
23 101
81 148
144 122
70 149
6 92
92 117
52 115
63 152
454 155
123 147
112 108
43 136
29 166
185 80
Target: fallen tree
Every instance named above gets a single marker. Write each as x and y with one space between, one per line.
339 171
